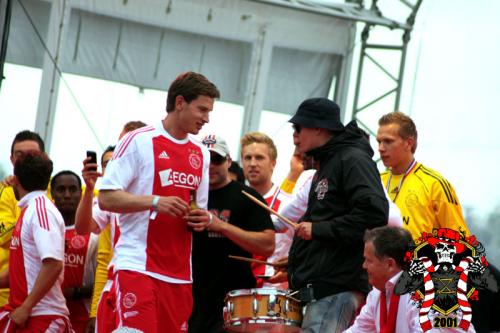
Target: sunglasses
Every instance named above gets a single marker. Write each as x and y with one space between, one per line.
297 128
217 159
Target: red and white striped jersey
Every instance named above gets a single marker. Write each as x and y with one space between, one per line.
79 259
150 161
38 235
275 197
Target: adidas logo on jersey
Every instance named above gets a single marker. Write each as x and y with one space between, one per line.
164 155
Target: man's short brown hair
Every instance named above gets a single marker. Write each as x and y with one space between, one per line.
190 85
259 137
391 242
33 170
407 128
27 135
133 125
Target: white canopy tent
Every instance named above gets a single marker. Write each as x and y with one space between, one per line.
260 55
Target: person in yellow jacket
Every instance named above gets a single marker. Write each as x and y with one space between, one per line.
23 142
426 199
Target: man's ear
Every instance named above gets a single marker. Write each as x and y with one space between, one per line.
393 265
410 142
228 161
273 163
179 102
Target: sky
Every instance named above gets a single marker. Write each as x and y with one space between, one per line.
456 92
451 90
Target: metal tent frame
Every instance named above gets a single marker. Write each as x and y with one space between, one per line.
396 79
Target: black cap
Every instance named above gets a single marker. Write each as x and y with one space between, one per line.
318 113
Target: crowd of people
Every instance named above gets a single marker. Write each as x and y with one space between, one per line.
150 249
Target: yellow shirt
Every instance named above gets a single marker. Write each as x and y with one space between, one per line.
104 255
9 213
426 200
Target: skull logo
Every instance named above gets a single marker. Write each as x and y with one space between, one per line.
445 252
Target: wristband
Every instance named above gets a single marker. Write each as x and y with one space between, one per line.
154 205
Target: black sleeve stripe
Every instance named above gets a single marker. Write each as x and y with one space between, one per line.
445 182
450 187
441 181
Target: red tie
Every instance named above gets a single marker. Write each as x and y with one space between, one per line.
388 323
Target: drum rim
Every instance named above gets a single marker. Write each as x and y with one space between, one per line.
258 291
261 320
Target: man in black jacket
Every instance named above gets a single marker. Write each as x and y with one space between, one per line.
346 198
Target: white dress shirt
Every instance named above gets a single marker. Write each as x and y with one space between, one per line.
407 321
294 209
368 321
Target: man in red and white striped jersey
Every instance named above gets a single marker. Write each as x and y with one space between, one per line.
36 302
148 182
80 250
258 155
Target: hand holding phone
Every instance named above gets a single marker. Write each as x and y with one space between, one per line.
93 159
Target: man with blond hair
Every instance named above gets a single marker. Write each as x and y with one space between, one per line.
258 156
426 199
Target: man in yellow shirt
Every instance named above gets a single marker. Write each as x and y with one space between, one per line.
426 199
24 142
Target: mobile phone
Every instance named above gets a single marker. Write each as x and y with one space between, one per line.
93 159
264 277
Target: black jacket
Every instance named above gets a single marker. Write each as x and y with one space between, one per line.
346 198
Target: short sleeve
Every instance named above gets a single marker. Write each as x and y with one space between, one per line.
48 236
101 217
121 170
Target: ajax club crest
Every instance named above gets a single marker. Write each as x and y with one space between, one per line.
445 270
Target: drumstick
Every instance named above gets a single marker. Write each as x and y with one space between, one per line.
269 209
252 260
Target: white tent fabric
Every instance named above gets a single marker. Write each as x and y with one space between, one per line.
296 75
147 44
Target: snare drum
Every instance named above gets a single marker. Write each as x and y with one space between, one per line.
261 310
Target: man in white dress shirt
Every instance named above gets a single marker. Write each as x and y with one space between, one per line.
384 311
